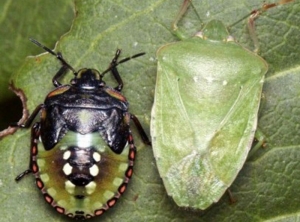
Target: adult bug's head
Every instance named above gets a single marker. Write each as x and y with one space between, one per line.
215 31
87 79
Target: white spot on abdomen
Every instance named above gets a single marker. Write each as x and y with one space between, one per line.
96 156
67 155
94 170
67 169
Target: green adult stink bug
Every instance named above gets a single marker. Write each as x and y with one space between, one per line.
204 116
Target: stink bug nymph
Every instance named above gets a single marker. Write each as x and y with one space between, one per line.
82 150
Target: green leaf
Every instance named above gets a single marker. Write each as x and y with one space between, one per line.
268 186
20 20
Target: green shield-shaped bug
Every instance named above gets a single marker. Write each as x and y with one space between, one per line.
204 117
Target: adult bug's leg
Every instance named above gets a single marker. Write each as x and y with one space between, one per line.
258 142
30 119
254 14
140 129
182 11
35 133
63 69
231 197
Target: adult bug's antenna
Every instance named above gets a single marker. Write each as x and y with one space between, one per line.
58 55
121 61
